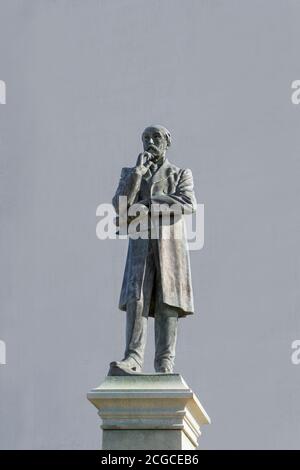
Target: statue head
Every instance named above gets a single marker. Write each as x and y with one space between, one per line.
156 139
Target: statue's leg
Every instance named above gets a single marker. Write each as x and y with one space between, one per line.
166 322
137 311
136 331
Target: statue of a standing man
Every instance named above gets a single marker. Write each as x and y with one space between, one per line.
157 278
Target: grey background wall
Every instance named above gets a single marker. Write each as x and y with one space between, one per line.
83 80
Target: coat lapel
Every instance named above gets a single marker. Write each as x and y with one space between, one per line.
163 172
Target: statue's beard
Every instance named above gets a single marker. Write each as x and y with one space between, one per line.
157 155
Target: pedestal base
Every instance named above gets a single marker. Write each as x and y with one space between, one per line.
148 412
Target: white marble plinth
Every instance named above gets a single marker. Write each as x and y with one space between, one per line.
149 412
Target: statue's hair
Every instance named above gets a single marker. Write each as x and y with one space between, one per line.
164 130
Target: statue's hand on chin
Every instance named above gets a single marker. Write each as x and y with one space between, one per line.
144 162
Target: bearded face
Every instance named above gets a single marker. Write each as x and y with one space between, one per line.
155 141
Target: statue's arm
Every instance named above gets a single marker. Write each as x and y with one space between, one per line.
184 194
129 186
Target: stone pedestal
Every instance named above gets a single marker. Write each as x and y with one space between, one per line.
148 412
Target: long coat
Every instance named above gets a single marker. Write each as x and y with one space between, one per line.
168 185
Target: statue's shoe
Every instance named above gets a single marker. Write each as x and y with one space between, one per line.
164 368
128 366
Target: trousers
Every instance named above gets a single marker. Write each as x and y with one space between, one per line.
165 318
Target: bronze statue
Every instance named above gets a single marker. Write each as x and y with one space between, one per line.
157 278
